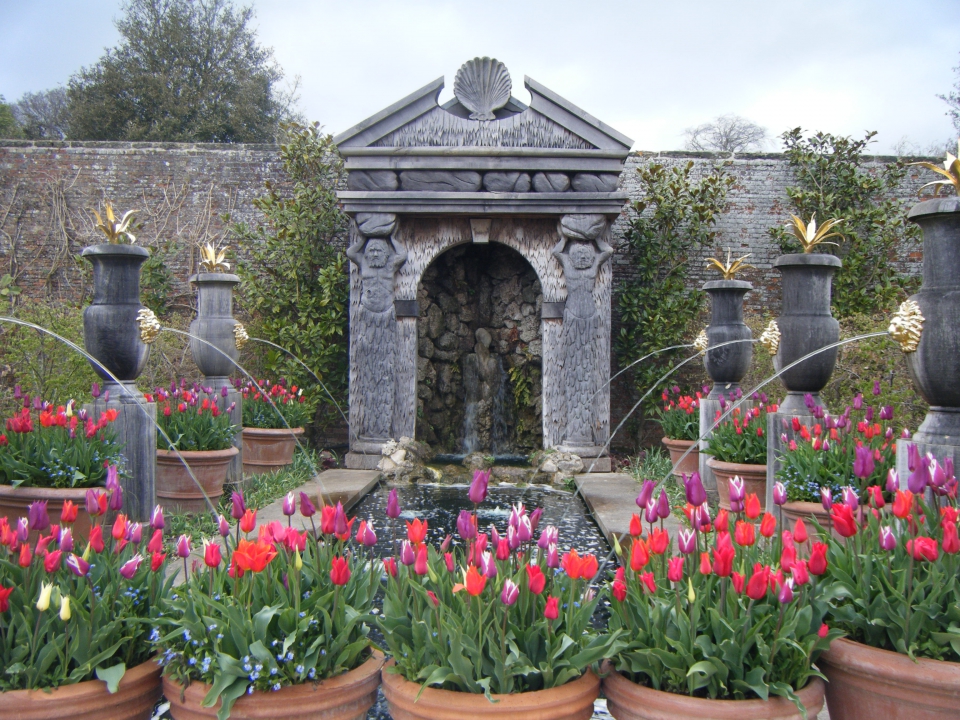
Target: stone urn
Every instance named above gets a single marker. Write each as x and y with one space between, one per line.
806 325
727 365
110 330
935 365
214 324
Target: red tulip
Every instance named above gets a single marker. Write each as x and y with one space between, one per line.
327 519
800 531
722 523
636 525
788 556
433 598
705 567
475 582
823 631
51 563
639 555
723 556
675 569
752 506
744 534
156 561
757 585
503 550
448 561
951 542
649 582
119 530
96 538
156 542
659 541
903 503
738 582
390 565
420 564
552 610
843 520
5 598
589 567
923 548
339 571
572 564
768 525
253 556
535 579
26 557
620 589
799 573
818 559
211 554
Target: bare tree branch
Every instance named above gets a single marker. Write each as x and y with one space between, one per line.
727 133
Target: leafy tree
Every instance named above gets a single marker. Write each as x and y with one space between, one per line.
184 71
833 182
674 218
295 278
8 123
727 133
952 99
43 115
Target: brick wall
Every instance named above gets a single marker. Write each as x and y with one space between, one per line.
184 190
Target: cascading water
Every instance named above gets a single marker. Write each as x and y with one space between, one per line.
486 406
500 433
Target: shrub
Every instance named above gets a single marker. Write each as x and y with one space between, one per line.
743 437
680 416
284 408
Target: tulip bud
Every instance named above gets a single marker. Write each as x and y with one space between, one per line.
510 593
223 526
893 481
297 560
779 493
888 540
66 541
64 607
393 505
289 505
786 592
156 519
183 546
691 595
646 492
307 508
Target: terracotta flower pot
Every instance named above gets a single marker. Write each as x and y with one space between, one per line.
627 700
177 491
135 698
865 682
14 501
691 463
346 697
754 480
573 701
793 511
266 450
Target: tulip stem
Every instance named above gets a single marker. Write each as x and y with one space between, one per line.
906 627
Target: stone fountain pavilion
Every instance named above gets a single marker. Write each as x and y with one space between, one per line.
494 182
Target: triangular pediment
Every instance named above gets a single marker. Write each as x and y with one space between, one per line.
550 122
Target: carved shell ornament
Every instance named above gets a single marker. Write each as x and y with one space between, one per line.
240 336
770 338
701 342
150 327
906 326
482 85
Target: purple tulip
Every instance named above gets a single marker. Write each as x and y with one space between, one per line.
407 555
704 515
687 541
786 592
850 498
513 538
156 519
652 514
779 493
809 401
841 422
863 462
307 508
663 505
525 529
706 390
693 487
488 565
826 498
289 505
447 542
77 565
116 499
223 526
135 533
819 413
920 478
340 526
66 540
368 537
516 512
224 392
393 505
106 396
239 507
553 556
113 481
183 546
130 567
646 492
494 535
858 402
886 412
535 518
876 387
23 529
784 439
94 390
888 540
905 434
736 488
466 526
893 481
868 415
478 488
37 402
37 517
510 593
548 536
723 402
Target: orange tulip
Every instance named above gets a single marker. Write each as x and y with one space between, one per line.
474 581
253 556
417 531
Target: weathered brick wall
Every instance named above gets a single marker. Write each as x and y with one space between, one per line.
184 190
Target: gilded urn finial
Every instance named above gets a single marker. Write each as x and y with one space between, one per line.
809 235
213 260
950 170
906 326
729 269
115 229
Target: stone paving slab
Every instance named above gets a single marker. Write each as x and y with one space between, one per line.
611 499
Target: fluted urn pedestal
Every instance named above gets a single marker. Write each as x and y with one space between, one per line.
725 365
806 325
112 336
935 364
216 351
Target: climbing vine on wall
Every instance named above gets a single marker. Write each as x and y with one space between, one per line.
674 218
834 181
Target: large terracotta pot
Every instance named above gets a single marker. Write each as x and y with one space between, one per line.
346 697
627 700
135 698
14 501
266 450
754 480
177 491
573 701
868 683
691 463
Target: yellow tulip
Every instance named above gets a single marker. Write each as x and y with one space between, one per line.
65 608
43 603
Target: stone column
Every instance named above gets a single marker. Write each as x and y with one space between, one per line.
215 325
583 252
727 365
375 338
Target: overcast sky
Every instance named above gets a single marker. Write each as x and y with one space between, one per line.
649 69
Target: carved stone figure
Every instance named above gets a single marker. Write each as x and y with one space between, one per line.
378 256
581 251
